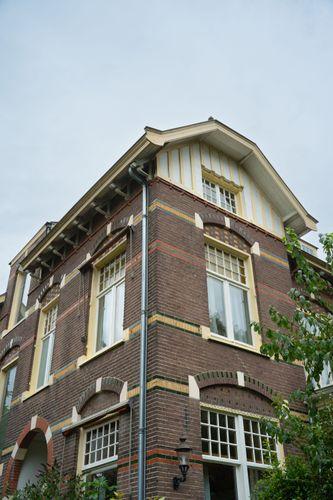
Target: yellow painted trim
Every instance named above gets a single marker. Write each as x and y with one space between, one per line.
3 376
71 276
68 369
212 176
61 424
273 258
15 302
80 453
162 384
232 411
82 360
38 349
7 451
108 255
158 204
226 246
252 297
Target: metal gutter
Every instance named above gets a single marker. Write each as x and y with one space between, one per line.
142 178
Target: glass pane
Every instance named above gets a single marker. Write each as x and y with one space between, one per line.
221 482
216 306
205 447
240 314
8 395
24 297
104 321
204 416
119 319
254 476
43 375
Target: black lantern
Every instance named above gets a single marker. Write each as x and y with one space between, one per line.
183 454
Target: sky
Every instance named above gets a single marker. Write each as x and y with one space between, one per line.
80 79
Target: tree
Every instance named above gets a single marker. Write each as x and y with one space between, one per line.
306 336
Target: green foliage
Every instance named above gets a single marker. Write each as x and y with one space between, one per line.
307 337
51 485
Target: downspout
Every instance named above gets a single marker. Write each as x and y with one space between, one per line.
141 178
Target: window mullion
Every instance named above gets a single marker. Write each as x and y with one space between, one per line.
228 315
241 471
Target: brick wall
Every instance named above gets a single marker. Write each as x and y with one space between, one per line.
178 305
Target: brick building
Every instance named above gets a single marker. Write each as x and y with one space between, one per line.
70 321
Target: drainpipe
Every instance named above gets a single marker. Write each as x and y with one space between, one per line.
141 178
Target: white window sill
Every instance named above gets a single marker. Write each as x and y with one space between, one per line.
98 465
82 360
235 343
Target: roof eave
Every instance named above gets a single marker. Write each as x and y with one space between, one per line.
131 155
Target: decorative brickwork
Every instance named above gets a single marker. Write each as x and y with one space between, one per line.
109 384
14 342
48 293
177 349
36 425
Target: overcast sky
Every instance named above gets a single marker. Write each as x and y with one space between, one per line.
79 80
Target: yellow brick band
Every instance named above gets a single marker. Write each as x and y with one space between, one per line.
161 384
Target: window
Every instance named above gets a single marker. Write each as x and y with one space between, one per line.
101 453
227 295
20 299
241 448
218 195
326 377
10 374
7 381
110 298
101 444
47 342
23 299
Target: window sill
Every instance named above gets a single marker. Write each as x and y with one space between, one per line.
29 394
82 360
234 343
6 332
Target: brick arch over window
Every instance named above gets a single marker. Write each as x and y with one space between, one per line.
118 226
233 235
48 292
36 425
230 378
105 384
14 342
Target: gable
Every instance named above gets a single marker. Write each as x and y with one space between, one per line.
185 165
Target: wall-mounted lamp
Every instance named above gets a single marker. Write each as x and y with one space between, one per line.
183 454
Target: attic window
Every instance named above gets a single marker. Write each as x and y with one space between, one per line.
219 195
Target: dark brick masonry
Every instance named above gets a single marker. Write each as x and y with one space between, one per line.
178 306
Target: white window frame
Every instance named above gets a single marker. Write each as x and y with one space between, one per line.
48 334
106 463
221 193
227 299
241 464
111 288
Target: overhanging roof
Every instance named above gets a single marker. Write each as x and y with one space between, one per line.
218 135
250 157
